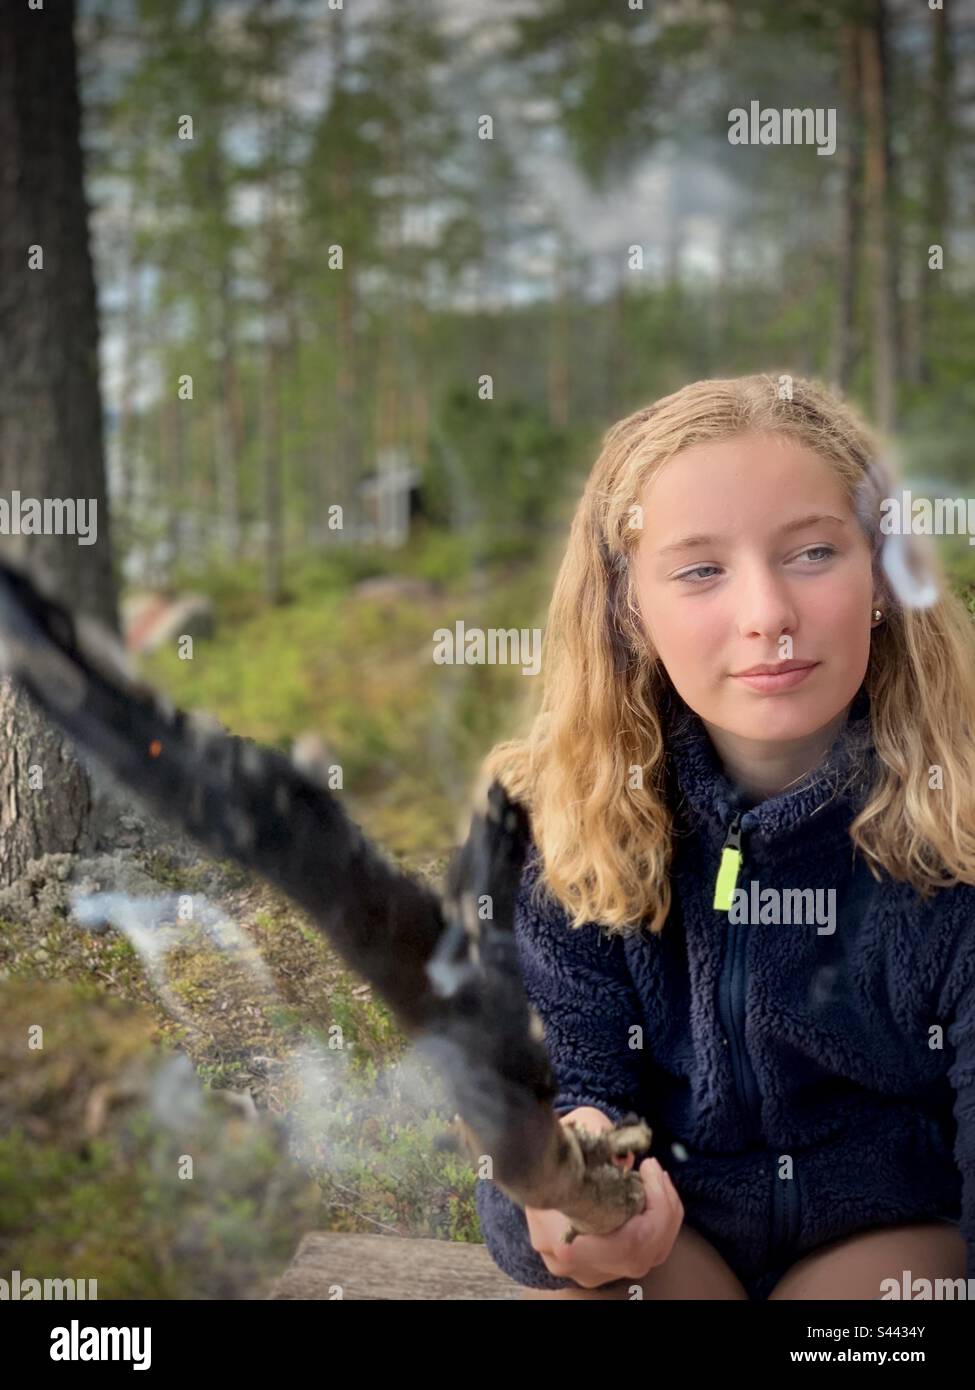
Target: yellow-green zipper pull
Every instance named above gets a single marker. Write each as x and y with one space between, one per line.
729 867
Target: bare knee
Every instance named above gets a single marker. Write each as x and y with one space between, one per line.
855 1266
693 1270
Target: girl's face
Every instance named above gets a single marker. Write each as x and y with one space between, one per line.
751 555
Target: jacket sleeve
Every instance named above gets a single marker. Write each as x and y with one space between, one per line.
959 999
578 981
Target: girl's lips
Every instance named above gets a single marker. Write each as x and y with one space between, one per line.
771 684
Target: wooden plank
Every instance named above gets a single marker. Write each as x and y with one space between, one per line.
335 1264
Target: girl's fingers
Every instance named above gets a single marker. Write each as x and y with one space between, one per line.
651 1184
670 1191
673 1198
660 1184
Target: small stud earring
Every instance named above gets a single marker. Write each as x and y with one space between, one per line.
877 615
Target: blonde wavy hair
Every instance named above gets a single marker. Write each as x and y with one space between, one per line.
604 846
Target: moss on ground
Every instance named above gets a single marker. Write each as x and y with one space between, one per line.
257 1015
116 1165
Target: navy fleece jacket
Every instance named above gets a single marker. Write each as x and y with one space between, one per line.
844 1042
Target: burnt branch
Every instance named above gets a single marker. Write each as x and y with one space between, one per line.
448 971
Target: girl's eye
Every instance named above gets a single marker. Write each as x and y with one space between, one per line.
826 551
689 573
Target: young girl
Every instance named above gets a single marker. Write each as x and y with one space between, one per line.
748 912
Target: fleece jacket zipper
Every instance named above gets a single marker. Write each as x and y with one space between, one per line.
784 1223
732 985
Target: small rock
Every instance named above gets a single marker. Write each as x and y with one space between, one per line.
240 1100
394 588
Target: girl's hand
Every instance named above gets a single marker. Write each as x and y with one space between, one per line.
629 1252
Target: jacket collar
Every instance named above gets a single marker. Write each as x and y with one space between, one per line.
697 777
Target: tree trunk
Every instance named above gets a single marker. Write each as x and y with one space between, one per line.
125 481
338 455
176 471
559 341
936 202
50 410
616 387
389 425
271 423
844 342
883 308
272 461
230 432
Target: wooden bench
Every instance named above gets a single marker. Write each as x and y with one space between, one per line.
335 1264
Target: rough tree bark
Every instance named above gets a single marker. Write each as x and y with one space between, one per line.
50 412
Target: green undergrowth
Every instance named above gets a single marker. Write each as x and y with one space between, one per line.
408 734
